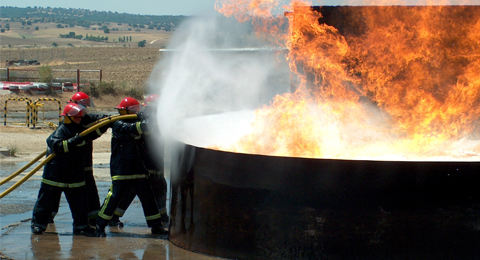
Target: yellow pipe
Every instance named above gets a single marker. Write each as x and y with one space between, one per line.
89 130
42 154
22 169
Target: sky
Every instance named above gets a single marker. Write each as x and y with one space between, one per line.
180 7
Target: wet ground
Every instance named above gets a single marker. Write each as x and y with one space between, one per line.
133 241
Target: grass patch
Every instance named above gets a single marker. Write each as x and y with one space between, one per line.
108 88
12 150
45 74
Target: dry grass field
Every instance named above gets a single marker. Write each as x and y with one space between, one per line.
48 33
121 63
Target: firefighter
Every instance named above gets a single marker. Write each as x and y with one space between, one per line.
127 169
64 173
93 200
154 162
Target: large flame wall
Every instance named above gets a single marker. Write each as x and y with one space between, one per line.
375 81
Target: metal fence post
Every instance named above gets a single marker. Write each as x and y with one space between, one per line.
78 80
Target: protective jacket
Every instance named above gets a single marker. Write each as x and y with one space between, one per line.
67 166
128 150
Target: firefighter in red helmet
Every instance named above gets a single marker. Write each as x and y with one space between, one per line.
93 200
82 98
127 168
64 174
151 100
154 162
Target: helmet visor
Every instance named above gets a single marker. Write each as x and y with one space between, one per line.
134 108
87 102
76 111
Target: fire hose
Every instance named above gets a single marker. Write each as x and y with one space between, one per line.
92 127
42 154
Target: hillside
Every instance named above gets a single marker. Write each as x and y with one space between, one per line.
47 34
86 18
38 26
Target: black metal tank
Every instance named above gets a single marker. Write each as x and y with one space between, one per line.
244 206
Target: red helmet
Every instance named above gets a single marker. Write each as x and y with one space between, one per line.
151 100
82 99
130 104
72 109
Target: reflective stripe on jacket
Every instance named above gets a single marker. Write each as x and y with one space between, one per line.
63 185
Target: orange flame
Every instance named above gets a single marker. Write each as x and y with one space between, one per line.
409 75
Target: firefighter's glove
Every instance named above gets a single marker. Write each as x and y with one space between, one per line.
142 116
76 140
146 126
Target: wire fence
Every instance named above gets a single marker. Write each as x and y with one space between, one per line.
59 75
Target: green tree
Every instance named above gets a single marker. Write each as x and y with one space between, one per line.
106 30
142 43
54 44
2 30
36 28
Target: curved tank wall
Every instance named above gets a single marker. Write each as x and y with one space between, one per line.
244 206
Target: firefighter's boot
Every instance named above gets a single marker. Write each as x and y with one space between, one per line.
37 230
115 221
100 231
158 230
86 231
165 220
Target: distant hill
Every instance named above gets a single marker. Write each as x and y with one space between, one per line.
86 18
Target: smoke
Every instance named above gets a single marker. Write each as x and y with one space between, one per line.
215 65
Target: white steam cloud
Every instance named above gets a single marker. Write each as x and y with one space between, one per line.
215 65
